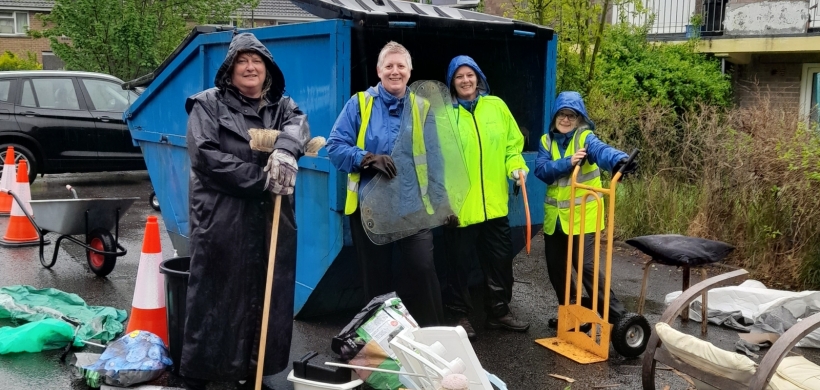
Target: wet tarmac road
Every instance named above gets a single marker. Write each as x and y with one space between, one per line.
513 357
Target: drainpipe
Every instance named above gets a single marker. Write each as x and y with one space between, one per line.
723 65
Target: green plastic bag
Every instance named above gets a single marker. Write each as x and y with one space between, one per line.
28 304
36 336
384 324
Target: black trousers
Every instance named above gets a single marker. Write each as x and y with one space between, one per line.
413 278
491 241
555 248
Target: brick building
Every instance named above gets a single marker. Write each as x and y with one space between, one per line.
17 17
770 47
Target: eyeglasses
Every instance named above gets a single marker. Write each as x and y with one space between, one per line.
570 116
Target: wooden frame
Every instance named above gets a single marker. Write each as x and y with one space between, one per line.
687 269
768 365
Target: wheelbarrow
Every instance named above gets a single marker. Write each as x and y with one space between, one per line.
93 217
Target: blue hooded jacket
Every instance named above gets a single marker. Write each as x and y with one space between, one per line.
387 118
384 127
483 87
598 152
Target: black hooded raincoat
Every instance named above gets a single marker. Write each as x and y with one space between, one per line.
230 221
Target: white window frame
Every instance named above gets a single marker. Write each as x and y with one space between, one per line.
14 22
805 89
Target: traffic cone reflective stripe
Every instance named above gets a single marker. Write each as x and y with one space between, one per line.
20 231
148 306
7 181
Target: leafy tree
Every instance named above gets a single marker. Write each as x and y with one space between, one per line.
126 38
581 26
9 61
617 60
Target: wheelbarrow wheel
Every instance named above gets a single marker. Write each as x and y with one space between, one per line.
152 199
630 335
102 240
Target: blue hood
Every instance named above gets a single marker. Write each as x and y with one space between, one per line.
573 100
483 86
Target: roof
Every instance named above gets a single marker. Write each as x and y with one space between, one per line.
277 9
30 4
405 14
51 73
267 9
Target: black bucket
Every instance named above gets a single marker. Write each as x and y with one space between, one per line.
176 290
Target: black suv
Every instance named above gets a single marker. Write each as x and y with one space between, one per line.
64 121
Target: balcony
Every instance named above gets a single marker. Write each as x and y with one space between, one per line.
673 18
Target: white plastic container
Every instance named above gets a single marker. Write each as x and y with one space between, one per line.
304 384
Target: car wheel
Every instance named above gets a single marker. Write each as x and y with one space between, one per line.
152 199
20 153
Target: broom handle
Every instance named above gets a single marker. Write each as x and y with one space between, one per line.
263 338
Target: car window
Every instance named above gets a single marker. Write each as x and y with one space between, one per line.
28 95
108 96
50 93
5 87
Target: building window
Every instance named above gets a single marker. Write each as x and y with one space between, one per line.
810 93
13 22
52 62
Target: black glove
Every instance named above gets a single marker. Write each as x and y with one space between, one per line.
632 167
451 221
381 163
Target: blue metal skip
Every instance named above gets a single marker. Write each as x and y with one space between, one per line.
324 63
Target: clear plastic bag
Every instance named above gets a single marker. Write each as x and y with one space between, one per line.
137 357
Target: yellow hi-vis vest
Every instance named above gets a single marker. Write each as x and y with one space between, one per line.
557 201
419 151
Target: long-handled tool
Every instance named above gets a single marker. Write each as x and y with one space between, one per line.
526 211
263 140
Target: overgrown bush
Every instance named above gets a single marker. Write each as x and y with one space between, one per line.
672 75
747 176
10 61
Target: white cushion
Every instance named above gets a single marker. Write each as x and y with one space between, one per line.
800 372
779 383
776 383
705 356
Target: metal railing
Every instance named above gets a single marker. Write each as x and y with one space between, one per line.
675 17
814 14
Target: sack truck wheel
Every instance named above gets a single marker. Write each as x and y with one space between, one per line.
101 239
152 199
630 335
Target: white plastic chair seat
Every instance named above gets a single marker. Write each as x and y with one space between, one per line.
437 352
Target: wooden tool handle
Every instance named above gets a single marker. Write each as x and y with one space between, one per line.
263 338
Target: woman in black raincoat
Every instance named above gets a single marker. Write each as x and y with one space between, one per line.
231 188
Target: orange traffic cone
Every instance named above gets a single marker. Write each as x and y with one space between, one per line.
6 182
20 231
148 306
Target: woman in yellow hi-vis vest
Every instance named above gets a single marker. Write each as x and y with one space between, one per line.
492 144
360 144
568 142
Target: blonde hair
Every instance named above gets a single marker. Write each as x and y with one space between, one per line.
394 48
